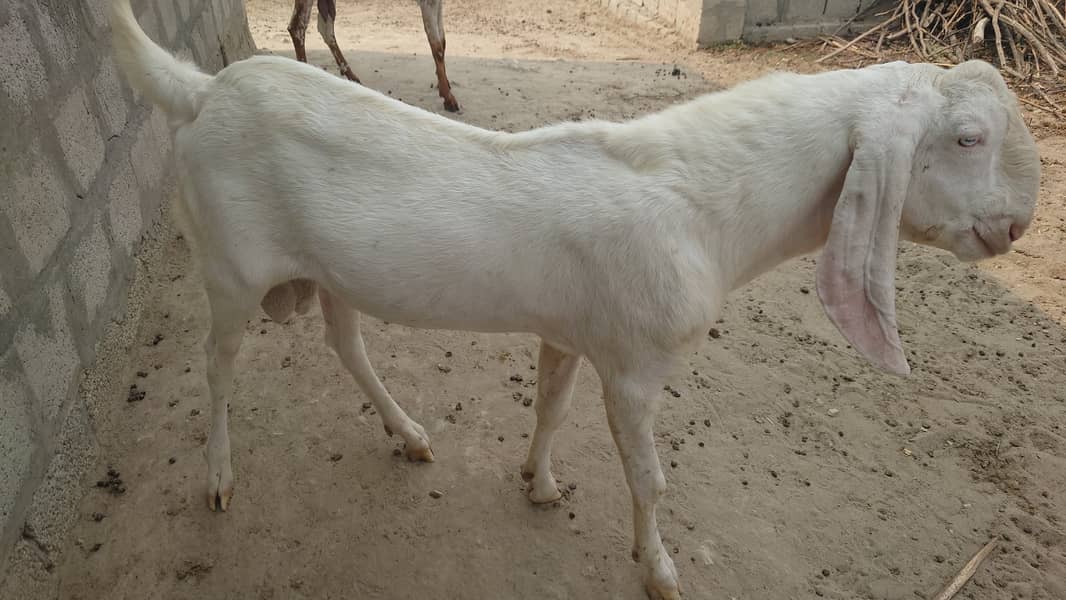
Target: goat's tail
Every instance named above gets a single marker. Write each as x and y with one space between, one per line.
173 85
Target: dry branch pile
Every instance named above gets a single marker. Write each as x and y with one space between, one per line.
1025 38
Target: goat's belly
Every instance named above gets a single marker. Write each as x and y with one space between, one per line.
424 305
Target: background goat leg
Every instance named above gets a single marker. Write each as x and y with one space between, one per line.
327 14
301 15
433 21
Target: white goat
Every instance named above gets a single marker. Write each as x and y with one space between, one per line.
613 241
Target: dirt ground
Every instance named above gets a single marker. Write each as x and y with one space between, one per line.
794 470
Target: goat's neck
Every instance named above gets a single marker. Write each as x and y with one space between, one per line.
761 200
754 217
763 232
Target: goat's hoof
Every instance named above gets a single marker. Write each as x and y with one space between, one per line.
220 487
544 496
662 583
451 105
659 593
417 454
219 499
542 490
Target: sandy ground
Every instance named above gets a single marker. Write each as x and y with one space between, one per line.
773 496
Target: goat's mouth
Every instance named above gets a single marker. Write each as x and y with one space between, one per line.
988 240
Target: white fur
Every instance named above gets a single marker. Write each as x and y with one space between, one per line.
613 241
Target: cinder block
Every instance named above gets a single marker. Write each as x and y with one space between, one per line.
762 12
5 300
150 24
16 436
91 270
108 88
98 11
841 9
207 37
60 40
161 130
55 502
170 20
147 157
22 74
804 10
38 210
124 207
720 21
49 359
80 138
183 7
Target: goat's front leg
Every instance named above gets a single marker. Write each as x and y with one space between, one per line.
344 337
327 14
631 404
556 373
221 347
433 22
301 16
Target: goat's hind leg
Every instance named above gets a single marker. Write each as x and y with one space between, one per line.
327 14
433 23
229 310
301 16
344 337
557 372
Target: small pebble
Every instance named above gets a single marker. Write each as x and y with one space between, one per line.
435 493
97 516
142 374
673 464
336 456
714 333
396 452
832 412
172 460
500 438
444 368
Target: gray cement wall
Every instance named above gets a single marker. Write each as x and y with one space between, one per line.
709 22
85 167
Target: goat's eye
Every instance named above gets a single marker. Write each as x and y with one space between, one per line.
969 141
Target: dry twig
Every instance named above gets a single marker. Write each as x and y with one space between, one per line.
966 573
1028 40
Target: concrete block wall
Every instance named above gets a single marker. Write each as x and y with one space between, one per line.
84 169
709 22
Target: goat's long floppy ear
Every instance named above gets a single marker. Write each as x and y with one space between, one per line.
856 271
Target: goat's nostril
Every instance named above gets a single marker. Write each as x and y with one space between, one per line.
1016 231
